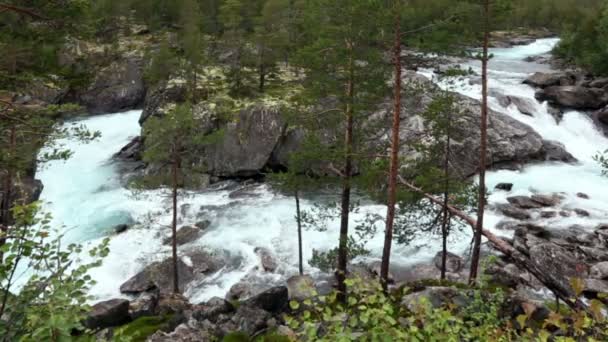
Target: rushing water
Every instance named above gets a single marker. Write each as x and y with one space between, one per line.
85 196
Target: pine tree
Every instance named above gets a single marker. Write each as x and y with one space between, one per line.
172 140
483 150
341 63
394 157
234 38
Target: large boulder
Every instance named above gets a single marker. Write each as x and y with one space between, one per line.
272 300
184 235
158 275
543 80
246 143
301 287
267 260
558 262
117 87
576 97
453 263
108 314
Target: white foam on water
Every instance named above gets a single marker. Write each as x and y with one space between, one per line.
84 195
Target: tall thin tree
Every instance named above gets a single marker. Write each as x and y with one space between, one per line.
394 162
483 143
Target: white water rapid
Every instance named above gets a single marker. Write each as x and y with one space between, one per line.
85 196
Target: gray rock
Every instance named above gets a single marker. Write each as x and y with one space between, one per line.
454 263
203 225
267 260
211 309
546 200
158 275
301 287
599 270
272 300
513 212
582 195
594 253
239 291
582 212
599 82
144 305
558 262
117 87
524 202
543 80
106 314
556 151
593 287
576 97
184 235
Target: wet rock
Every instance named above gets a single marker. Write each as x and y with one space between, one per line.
437 296
548 214
145 305
543 80
454 263
546 200
121 228
203 225
599 270
513 212
239 291
557 261
185 235
272 300
582 212
106 314
131 151
524 202
158 275
504 186
565 213
599 82
211 309
582 195
509 275
575 97
556 151
300 287
267 260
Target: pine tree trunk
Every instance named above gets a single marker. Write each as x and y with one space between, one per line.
446 198
394 163
262 69
483 145
174 170
299 219
346 183
5 205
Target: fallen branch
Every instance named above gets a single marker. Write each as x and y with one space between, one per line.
23 11
549 280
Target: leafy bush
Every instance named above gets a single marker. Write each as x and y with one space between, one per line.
371 315
51 305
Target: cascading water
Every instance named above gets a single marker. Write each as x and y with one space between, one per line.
86 197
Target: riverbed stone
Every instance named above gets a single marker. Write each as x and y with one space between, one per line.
513 212
109 313
454 263
524 202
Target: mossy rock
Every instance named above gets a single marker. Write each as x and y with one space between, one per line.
141 328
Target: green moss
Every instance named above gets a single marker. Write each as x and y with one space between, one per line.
141 328
236 337
272 337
